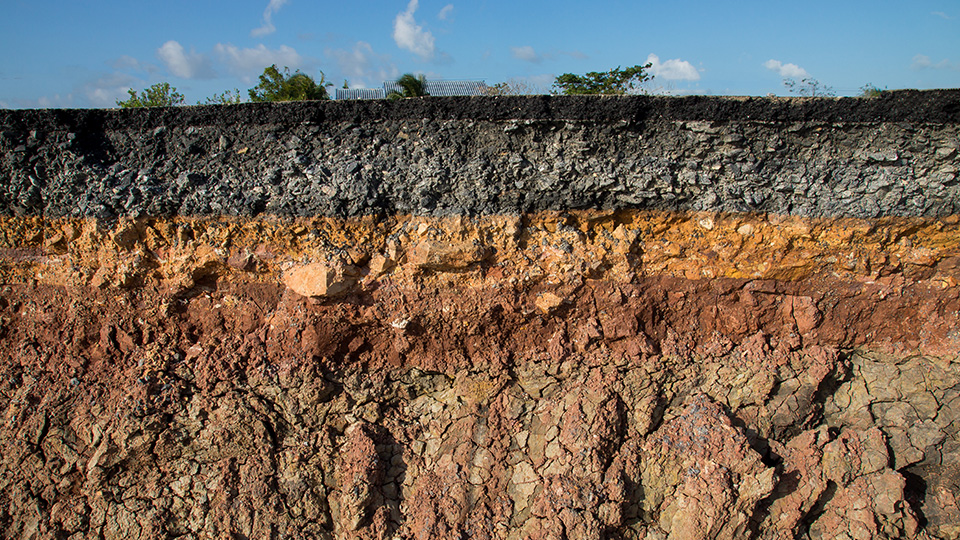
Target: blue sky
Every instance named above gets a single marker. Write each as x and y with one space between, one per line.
81 53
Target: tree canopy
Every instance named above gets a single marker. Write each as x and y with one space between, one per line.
158 95
614 82
285 86
410 86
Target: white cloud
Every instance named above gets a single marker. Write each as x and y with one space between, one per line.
268 27
790 71
411 36
55 101
106 90
941 14
248 63
672 70
129 63
445 12
126 62
922 61
526 53
362 66
192 65
529 54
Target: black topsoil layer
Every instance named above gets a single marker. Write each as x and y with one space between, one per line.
891 155
928 106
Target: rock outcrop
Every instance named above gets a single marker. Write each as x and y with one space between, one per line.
543 318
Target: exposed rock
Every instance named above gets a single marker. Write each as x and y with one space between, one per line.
547 302
321 280
359 511
433 255
543 318
701 480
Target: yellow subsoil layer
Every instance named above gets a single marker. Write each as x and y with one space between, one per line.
479 251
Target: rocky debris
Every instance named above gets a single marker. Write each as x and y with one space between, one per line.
547 302
840 487
486 156
701 479
359 510
918 430
439 256
869 500
321 279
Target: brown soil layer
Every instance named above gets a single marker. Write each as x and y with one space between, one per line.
562 375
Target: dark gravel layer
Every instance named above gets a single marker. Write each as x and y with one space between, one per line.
893 155
932 106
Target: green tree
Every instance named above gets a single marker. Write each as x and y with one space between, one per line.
230 97
286 86
410 86
158 95
614 82
809 87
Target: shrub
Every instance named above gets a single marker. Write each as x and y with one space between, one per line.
286 86
809 87
614 82
870 91
158 95
230 97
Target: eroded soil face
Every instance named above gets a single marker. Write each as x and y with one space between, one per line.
556 375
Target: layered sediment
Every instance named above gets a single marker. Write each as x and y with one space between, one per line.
483 318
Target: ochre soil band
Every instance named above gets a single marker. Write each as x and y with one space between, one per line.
588 374
614 246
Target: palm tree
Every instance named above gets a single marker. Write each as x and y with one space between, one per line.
411 86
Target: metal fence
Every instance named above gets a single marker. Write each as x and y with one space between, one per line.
434 88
